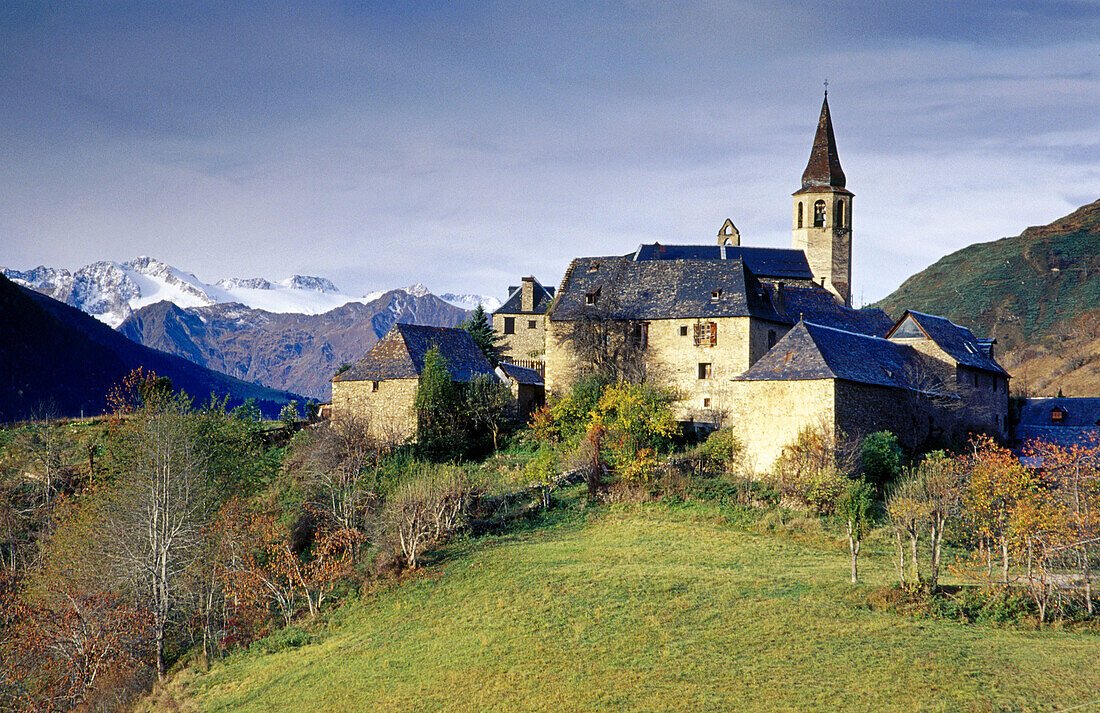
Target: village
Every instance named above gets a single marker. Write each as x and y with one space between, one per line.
761 340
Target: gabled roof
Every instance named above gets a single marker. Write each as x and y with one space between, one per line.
958 342
1077 412
778 263
819 306
823 168
622 288
520 374
812 351
400 355
514 304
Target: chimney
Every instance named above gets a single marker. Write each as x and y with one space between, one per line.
527 299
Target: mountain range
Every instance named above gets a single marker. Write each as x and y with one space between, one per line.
112 291
55 358
1037 293
298 352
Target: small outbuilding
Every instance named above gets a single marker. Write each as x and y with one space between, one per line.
381 387
527 388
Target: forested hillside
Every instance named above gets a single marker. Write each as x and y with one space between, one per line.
1037 293
54 357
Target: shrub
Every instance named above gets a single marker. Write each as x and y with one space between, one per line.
807 470
880 458
720 451
290 637
431 503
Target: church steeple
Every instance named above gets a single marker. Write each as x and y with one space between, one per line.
823 213
823 168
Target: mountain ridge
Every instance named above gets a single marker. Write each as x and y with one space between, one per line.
1037 293
54 356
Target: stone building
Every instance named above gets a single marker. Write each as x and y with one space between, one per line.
765 339
526 386
381 387
521 323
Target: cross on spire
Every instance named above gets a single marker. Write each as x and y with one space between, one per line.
826 86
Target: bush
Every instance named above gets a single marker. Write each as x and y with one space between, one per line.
880 459
807 470
290 637
720 451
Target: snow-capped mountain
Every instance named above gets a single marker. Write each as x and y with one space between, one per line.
470 301
111 291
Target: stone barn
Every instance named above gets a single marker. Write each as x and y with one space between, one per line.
381 387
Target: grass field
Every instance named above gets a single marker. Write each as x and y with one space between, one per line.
649 608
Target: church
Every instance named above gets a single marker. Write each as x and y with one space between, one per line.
762 340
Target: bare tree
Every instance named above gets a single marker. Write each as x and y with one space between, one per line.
154 518
610 346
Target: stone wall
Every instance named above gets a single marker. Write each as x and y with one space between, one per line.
768 415
527 342
673 359
389 411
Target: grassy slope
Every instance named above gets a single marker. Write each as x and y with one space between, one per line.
649 608
1033 292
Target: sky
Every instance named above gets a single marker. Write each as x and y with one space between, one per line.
464 144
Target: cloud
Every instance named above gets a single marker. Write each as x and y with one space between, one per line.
462 144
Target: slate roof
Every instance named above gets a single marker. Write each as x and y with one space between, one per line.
400 355
959 342
1076 412
521 374
813 351
622 288
823 168
819 306
778 263
513 305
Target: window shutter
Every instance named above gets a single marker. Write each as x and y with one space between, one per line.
698 333
713 333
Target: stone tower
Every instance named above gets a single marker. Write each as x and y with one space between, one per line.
823 214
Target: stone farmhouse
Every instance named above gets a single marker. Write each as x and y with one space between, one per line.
381 387
762 339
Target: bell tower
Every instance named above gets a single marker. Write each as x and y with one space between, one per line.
823 213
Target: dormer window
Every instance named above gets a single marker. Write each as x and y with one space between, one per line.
591 297
715 295
594 267
1057 415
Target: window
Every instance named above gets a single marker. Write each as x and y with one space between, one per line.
374 386
704 370
509 325
800 214
706 403
683 331
839 221
532 324
594 267
715 295
819 214
590 298
1057 414
640 334
706 334
771 338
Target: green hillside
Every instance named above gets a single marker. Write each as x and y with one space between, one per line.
1037 293
654 608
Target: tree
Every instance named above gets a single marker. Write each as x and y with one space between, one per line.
487 404
880 458
857 509
907 511
436 398
938 490
481 331
289 414
154 514
996 482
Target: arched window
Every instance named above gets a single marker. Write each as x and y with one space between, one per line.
800 214
839 213
819 214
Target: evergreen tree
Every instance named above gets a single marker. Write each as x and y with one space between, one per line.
436 397
482 332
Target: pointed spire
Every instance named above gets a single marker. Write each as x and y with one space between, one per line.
824 168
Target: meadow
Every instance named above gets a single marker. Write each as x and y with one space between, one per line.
650 607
